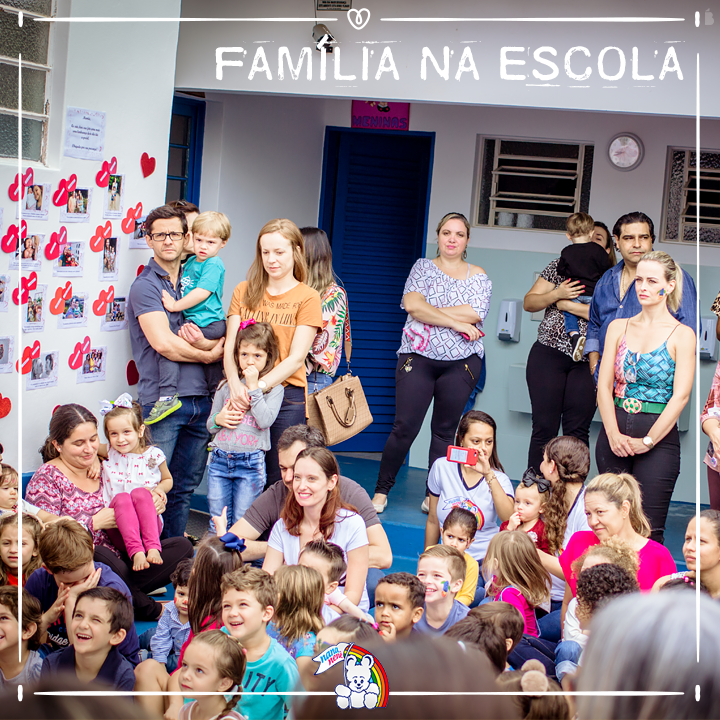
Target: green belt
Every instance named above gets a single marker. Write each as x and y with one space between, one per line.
634 406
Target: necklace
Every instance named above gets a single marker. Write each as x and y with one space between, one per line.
624 279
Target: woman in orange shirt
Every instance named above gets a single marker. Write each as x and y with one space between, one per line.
275 292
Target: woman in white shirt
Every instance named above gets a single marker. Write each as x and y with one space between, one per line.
483 489
314 510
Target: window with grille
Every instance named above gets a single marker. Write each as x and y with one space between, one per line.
531 185
32 42
681 198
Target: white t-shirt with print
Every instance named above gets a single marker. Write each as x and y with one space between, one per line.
349 533
447 483
577 521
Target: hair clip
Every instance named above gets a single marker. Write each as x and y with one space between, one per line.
125 401
246 323
232 542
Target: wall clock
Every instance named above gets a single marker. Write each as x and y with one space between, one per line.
625 151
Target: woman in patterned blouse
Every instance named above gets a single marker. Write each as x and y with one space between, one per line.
441 352
69 484
710 422
324 358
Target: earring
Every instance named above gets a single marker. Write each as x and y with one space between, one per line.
464 255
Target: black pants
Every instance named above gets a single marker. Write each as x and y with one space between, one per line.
143 581
656 471
418 381
561 390
292 412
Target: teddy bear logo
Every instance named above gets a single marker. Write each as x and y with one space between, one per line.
359 690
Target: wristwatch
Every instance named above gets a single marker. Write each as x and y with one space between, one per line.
648 442
262 385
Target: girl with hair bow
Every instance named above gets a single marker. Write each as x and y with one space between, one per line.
136 481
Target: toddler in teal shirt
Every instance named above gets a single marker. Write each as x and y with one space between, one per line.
201 283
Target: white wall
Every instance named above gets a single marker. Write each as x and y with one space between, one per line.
485 40
125 70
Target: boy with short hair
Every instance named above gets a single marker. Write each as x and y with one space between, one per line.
507 618
203 277
442 570
248 604
329 560
173 628
584 261
66 549
399 605
459 531
101 619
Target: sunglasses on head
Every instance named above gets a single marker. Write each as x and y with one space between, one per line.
529 479
452 215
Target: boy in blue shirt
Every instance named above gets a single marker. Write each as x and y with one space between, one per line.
441 569
203 276
248 604
68 570
101 619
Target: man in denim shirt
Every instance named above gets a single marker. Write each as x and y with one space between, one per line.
615 295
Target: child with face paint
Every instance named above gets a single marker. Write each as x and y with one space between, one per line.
442 570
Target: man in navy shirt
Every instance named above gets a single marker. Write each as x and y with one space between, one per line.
154 331
615 295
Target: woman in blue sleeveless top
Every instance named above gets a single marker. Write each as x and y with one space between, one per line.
645 380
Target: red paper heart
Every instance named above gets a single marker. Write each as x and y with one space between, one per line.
52 249
75 360
105 297
5 406
140 269
17 189
57 304
12 237
147 164
29 354
60 197
102 179
101 234
26 284
128 224
133 376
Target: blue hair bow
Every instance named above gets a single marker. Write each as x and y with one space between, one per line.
233 542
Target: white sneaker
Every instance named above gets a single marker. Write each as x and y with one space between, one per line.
379 507
425 507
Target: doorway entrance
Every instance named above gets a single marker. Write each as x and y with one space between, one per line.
374 207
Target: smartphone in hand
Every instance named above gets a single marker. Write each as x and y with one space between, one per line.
462 455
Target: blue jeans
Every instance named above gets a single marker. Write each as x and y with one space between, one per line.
183 437
235 481
292 412
550 625
571 321
319 381
567 656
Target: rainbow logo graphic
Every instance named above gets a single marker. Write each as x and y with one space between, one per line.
366 684
465 504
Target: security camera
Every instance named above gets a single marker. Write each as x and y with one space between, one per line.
322 37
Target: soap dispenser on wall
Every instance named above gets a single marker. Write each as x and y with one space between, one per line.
708 339
509 319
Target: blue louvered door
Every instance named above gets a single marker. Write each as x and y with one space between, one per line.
376 191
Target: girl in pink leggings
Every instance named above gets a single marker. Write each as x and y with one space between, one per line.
136 481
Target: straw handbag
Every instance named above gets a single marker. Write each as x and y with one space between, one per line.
340 411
